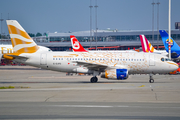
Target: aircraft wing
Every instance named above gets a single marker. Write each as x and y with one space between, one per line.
93 66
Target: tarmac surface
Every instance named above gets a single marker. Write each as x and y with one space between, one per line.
44 94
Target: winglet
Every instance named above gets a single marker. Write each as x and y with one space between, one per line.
21 41
77 47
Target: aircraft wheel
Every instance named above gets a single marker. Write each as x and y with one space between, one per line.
94 79
151 80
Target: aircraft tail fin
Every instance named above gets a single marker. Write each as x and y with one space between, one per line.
146 45
77 47
165 38
21 41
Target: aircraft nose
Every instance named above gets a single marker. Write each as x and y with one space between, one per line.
174 66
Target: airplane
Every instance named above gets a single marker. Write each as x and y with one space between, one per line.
116 66
77 47
175 49
5 49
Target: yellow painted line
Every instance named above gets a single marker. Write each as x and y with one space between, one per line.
142 86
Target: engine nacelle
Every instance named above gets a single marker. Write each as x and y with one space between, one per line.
116 74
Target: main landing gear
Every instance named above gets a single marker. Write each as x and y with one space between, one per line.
151 80
94 79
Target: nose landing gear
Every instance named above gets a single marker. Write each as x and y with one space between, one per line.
151 80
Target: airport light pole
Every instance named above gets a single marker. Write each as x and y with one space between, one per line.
153 21
90 23
1 27
96 22
158 22
169 29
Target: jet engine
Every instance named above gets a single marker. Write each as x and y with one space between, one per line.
116 74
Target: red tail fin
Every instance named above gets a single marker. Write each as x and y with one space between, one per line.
77 47
144 43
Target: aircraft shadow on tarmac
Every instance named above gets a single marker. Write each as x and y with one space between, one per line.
83 82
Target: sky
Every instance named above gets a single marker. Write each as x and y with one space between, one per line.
74 15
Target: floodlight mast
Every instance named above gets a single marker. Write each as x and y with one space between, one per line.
1 27
169 29
90 23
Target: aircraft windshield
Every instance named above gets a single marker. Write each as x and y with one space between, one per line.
165 59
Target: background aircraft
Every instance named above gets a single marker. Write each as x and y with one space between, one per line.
77 47
147 47
175 49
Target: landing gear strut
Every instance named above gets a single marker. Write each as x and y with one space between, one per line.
151 80
94 79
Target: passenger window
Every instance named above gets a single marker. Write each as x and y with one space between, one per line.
61 58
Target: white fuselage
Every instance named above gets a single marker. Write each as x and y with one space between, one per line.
135 63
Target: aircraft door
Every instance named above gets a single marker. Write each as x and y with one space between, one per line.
151 60
43 59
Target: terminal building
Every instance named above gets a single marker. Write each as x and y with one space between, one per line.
106 39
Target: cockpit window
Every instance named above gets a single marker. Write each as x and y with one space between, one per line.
162 59
165 59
